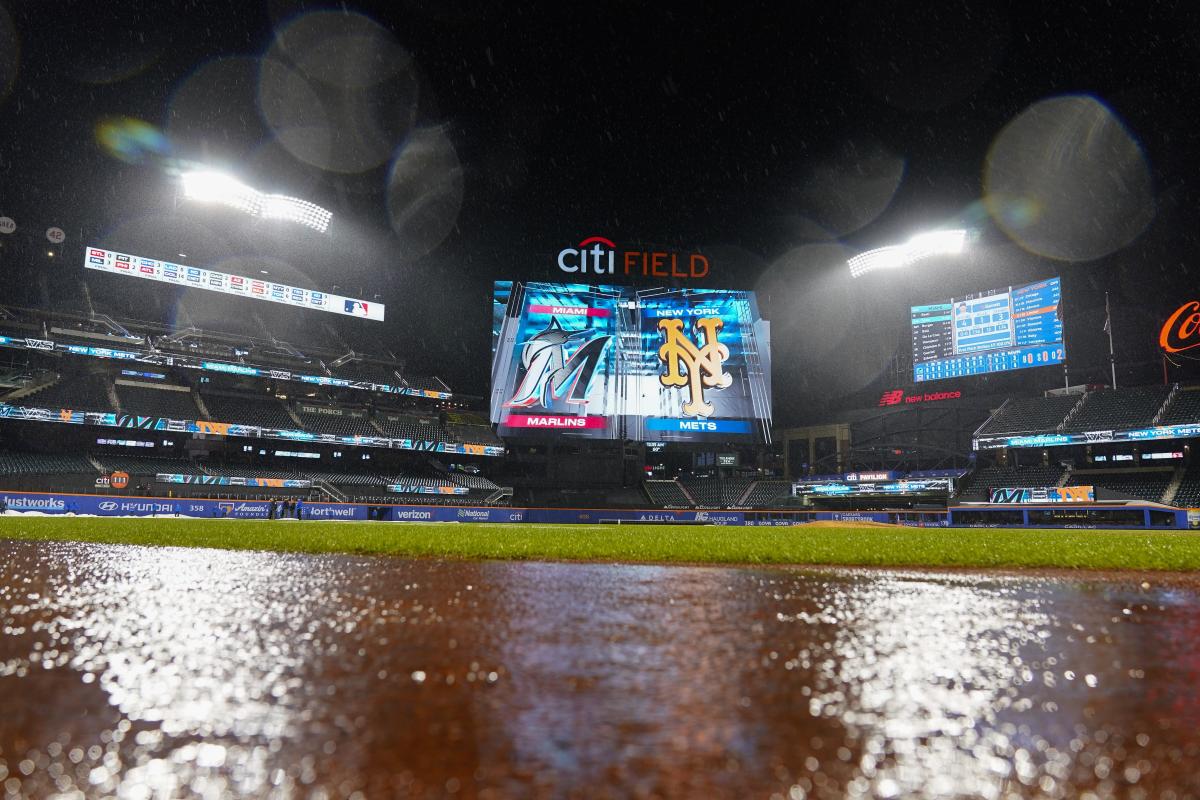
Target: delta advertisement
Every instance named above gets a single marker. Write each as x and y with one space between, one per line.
612 362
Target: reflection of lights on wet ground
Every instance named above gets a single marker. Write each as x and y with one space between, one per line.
140 672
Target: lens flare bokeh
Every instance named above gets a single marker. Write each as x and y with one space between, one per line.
424 191
338 91
1067 180
852 187
133 141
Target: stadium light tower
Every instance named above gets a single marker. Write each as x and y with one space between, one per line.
918 248
215 187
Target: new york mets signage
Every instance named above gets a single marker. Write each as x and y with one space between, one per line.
597 255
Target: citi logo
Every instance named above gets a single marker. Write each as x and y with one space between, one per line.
597 255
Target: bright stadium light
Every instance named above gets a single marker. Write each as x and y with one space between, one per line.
918 248
215 187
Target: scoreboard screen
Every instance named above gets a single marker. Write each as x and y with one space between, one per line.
611 362
995 331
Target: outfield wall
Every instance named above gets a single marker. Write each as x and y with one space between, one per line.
1015 517
107 505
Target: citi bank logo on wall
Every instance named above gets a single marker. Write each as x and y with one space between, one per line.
597 255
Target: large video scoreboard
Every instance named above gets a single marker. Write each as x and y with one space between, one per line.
610 362
995 331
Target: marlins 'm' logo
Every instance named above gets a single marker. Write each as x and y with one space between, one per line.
550 374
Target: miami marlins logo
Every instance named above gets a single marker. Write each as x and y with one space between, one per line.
692 366
550 375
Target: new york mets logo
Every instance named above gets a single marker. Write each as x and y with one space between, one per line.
550 374
703 365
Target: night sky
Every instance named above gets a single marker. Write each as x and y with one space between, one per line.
462 142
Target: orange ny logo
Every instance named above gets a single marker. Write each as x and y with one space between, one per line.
692 366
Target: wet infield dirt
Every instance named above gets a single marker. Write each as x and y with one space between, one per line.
165 672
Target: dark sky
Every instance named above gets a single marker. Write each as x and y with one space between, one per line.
462 142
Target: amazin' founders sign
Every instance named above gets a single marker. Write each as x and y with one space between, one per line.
597 255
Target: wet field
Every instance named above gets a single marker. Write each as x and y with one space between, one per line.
162 672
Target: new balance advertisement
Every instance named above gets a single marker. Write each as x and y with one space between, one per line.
612 362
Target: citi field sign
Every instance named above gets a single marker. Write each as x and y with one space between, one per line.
597 255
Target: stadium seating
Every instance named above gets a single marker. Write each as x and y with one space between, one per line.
265 412
410 426
769 494
1188 493
77 392
472 481
1116 410
474 434
666 494
370 372
145 465
347 478
1029 415
249 471
45 464
978 485
1144 485
423 383
717 493
152 402
1183 409
339 425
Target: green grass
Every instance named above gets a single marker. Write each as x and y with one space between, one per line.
849 545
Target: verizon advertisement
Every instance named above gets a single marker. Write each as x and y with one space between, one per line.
199 278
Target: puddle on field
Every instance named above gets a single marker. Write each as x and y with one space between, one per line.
161 672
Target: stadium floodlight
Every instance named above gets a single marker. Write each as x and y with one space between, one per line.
216 187
918 248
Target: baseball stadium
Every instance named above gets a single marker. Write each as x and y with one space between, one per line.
414 401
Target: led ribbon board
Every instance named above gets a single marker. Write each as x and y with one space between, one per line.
199 278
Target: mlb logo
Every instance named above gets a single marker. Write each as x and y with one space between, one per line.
357 307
